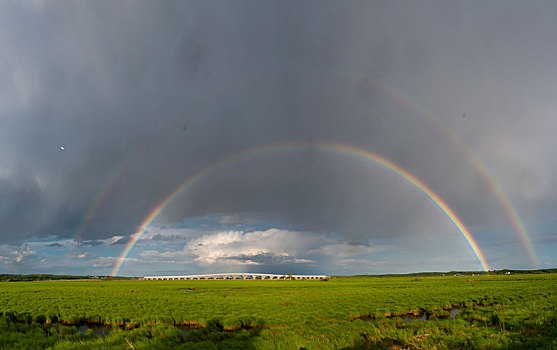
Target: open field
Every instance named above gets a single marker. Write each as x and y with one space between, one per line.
494 312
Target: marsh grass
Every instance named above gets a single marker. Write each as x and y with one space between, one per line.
495 312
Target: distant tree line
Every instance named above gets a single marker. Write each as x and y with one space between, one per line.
48 277
40 277
463 273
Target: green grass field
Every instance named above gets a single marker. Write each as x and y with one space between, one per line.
496 312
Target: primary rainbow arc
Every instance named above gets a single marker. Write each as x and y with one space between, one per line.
293 146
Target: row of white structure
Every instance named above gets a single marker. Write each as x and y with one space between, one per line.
237 276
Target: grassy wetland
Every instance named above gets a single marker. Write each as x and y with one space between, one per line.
453 312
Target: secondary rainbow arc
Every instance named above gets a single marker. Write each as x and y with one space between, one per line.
478 164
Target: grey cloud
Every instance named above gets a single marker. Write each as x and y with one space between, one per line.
92 243
116 86
547 238
54 245
167 238
121 241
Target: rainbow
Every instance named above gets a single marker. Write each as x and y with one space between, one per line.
476 161
336 148
94 207
97 201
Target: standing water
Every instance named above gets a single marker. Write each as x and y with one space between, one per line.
426 316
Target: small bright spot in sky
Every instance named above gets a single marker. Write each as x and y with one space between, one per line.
62 148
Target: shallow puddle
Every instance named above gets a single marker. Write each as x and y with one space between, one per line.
424 317
454 312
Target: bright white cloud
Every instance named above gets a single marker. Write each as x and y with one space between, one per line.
23 253
235 246
17 255
267 247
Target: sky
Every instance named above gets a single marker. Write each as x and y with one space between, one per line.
320 137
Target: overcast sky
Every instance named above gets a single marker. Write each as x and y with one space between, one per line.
107 107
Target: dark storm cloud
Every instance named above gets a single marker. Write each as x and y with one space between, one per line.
142 95
22 199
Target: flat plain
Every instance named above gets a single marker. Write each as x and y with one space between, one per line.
451 312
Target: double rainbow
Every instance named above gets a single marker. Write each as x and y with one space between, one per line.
401 98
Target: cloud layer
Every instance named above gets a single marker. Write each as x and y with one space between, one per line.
143 96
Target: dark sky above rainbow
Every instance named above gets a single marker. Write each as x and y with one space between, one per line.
162 138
